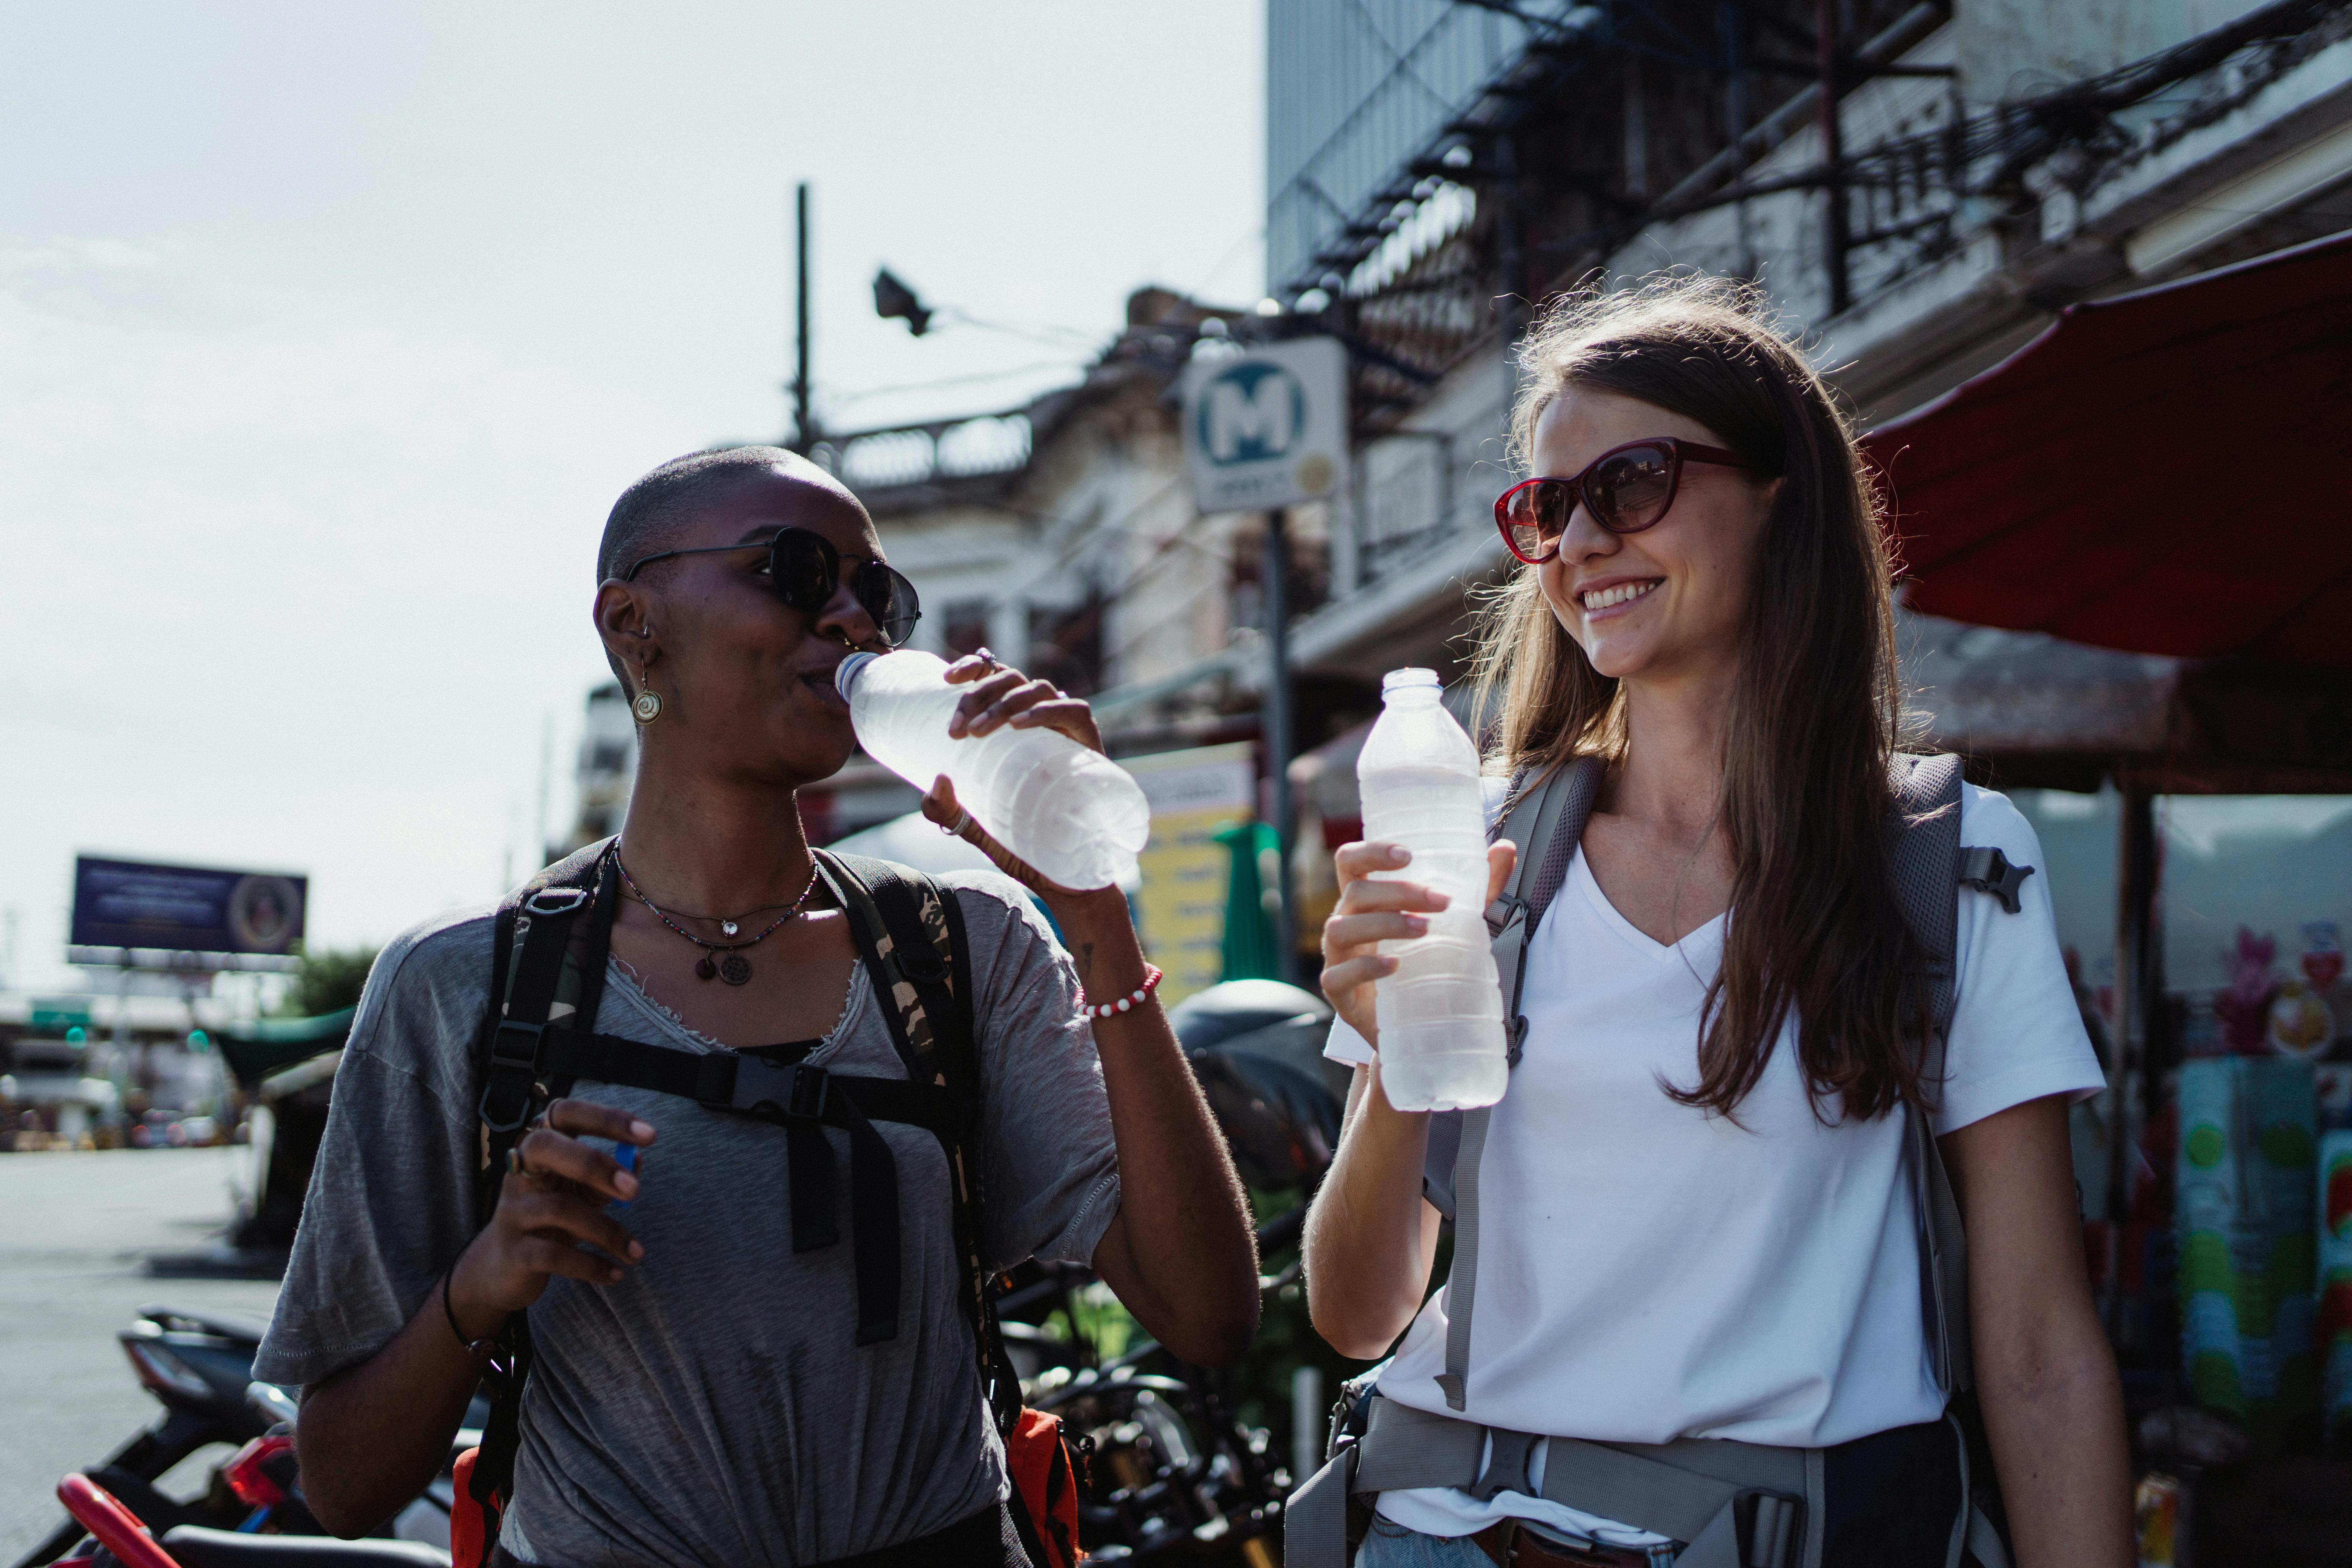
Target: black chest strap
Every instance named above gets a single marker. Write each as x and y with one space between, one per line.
775 1085
547 954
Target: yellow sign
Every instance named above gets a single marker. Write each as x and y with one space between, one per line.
1181 905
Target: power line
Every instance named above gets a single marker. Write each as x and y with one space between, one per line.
839 399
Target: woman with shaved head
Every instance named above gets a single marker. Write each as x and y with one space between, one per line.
754 1360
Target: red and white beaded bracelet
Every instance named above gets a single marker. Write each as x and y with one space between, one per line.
1134 998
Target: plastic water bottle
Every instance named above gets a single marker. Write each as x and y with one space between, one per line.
1441 1013
1071 812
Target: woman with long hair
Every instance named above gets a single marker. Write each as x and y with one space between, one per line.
1698 1218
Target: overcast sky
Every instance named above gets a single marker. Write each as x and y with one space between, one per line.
327 335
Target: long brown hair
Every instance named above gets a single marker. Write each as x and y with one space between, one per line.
1814 714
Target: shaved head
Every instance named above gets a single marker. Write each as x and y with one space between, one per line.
653 514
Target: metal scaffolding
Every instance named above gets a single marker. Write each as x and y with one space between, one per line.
1598 121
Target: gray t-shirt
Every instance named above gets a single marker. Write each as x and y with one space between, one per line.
713 1406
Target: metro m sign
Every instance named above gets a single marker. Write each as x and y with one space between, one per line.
1267 427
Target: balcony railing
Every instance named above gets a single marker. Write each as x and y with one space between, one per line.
925 454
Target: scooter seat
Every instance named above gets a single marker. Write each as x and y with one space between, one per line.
239 1330
193 1546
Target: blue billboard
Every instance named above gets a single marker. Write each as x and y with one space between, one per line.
185 908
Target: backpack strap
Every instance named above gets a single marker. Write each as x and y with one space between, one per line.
909 930
1924 864
777 1084
537 943
1928 866
1551 819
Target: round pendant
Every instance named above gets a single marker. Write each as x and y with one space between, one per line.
729 927
703 968
735 969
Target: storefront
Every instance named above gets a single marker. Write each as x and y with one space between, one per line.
2163 475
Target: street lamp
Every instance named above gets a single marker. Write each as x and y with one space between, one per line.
893 299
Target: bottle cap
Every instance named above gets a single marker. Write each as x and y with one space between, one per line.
1400 680
847 675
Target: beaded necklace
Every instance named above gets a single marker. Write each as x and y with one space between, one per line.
733 967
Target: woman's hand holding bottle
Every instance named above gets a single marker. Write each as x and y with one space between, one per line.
1374 909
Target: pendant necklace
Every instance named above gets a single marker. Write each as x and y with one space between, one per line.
723 959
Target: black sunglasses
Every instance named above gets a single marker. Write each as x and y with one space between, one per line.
1626 489
803 568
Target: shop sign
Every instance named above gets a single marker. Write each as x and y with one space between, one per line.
1181 906
59 1013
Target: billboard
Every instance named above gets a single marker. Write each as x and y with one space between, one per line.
185 908
1268 426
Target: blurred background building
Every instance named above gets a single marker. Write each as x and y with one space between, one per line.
1921 187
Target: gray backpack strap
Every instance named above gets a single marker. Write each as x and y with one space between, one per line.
1552 818
1926 865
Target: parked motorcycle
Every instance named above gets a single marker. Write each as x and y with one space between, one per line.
200 1368
197 1366
120 1538
1167 1472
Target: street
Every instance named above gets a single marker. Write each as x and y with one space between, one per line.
75 1232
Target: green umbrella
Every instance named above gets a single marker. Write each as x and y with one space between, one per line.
256 1050
1253 950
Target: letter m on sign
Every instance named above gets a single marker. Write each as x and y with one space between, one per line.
1251 413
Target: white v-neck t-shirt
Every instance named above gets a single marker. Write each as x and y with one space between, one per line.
1648 1271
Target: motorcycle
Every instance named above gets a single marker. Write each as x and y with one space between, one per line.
1168 1473
120 1538
199 1367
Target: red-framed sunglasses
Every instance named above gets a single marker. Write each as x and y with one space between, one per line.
1626 490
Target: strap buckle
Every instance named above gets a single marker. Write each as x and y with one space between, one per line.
1504 912
779 1090
1771 1532
810 1087
530 1032
506 1090
555 900
1989 871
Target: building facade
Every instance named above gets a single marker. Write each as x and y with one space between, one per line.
1920 187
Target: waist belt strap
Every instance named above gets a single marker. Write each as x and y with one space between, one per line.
1736 1505
803 1100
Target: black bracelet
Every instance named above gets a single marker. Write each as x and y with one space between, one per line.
475 1348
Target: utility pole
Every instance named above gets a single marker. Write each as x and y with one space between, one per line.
1730 26
1277 723
1834 241
803 421
545 847
2139 988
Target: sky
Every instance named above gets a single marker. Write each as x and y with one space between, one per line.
328 335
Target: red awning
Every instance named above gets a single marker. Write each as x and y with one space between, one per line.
2169 471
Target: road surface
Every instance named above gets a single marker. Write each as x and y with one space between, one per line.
75 1232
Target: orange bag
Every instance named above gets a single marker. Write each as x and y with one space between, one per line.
1043 1485
473 1526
